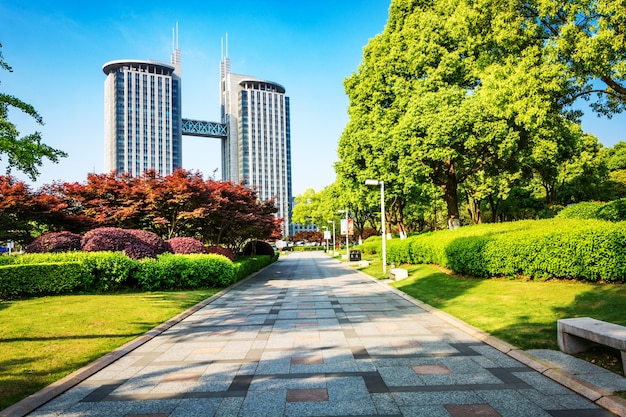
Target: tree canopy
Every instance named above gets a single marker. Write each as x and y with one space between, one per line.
463 98
180 204
26 153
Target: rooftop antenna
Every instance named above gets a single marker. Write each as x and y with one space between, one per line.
175 49
225 64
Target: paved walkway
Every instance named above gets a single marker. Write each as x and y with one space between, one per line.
309 336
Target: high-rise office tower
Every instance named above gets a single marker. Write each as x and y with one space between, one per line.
257 149
142 116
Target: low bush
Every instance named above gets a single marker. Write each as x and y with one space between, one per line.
220 250
584 210
152 240
186 245
555 248
245 266
108 239
108 271
100 272
184 271
21 280
55 242
614 211
139 252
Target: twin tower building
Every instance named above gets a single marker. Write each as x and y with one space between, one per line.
143 126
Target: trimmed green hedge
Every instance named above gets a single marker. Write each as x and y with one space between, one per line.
247 265
40 279
614 211
554 248
94 272
184 271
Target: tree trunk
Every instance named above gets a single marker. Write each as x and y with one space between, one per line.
450 194
473 208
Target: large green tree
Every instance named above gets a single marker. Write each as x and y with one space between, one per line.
458 90
24 153
449 89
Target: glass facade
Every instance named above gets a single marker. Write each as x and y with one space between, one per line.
263 143
142 107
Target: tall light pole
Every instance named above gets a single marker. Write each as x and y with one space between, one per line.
347 230
382 218
334 244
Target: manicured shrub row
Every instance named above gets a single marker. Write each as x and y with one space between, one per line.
250 264
34 279
309 248
42 274
614 211
556 248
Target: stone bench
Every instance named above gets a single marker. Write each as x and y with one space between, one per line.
579 334
397 274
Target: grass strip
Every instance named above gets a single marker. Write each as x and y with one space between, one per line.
44 339
519 311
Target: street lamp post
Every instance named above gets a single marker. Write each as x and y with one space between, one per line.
334 244
347 234
382 218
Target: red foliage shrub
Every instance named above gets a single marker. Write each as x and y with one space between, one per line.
139 252
220 250
55 242
151 240
186 245
108 239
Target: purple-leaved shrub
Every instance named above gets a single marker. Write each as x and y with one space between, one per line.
186 245
55 242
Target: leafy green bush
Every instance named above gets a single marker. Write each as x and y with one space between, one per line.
40 279
184 271
245 266
584 210
555 248
54 273
371 245
109 271
614 211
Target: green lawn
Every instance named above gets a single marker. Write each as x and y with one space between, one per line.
44 339
521 312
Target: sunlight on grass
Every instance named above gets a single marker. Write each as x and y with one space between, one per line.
44 339
520 312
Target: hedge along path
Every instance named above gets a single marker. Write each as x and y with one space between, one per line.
94 272
592 250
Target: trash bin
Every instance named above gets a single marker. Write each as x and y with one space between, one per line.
355 255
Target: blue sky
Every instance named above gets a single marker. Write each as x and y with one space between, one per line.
57 50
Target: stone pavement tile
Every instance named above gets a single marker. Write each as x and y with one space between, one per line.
264 404
307 395
331 408
229 407
400 376
205 407
385 404
284 382
515 404
436 398
471 410
424 411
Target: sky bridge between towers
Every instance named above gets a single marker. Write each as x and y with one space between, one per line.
205 129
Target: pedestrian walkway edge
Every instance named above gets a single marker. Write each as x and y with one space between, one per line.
599 396
39 398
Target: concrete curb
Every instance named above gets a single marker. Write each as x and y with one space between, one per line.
599 396
36 400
